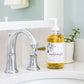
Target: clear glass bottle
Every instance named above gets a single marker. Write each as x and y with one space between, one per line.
55 49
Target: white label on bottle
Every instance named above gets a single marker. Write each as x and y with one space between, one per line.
55 52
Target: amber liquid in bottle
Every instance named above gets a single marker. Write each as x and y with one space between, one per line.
55 38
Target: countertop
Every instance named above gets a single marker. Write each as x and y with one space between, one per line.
73 70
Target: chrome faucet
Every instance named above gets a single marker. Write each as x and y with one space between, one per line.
11 66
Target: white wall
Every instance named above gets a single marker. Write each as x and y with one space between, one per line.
54 9
74 18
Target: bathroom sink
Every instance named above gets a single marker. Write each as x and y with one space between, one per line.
54 81
46 77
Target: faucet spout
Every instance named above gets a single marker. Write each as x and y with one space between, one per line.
11 51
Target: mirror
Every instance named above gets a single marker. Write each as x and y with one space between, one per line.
34 12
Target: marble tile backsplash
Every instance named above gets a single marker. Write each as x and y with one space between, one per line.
23 48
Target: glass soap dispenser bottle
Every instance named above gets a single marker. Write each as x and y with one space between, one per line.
55 48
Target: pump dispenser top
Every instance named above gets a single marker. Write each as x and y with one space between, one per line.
55 27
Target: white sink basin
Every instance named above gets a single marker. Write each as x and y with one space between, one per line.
47 77
54 81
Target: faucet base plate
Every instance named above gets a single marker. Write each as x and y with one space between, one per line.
11 71
33 68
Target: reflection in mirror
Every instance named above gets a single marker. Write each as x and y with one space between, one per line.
33 12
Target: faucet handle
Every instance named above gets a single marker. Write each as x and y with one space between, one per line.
41 48
33 66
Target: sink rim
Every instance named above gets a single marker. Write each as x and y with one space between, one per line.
45 75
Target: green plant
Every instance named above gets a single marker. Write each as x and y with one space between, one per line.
74 36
